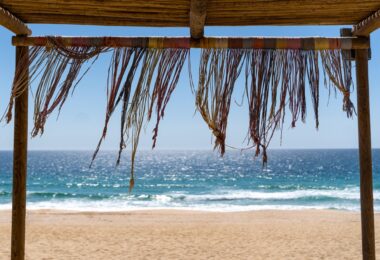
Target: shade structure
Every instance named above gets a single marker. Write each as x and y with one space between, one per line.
176 13
363 15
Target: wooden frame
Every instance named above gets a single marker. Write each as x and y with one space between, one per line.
361 45
198 12
307 43
194 13
12 23
170 13
20 158
367 25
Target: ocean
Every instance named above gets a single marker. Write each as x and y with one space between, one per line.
193 180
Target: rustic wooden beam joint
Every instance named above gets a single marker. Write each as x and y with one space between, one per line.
12 23
198 13
367 25
351 54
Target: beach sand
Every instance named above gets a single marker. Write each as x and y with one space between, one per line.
170 234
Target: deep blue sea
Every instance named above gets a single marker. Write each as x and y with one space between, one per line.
200 180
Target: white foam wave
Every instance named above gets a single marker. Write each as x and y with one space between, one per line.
108 207
227 200
347 194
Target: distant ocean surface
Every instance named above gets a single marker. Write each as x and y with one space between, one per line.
196 180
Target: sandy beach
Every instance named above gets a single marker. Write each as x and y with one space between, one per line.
169 234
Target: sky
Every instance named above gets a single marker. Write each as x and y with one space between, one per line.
81 121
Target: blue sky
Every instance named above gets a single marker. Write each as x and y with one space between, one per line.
81 121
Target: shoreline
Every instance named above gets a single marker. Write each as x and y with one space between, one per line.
179 211
184 210
179 234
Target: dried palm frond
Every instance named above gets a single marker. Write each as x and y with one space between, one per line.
166 65
141 82
218 72
58 69
275 81
169 69
338 70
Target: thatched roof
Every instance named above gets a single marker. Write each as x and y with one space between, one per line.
176 12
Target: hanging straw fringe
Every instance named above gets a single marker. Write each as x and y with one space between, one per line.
119 64
59 70
19 86
141 81
218 72
338 69
169 69
275 80
166 64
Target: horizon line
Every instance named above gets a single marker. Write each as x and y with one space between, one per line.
190 149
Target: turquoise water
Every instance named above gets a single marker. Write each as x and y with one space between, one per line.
293 179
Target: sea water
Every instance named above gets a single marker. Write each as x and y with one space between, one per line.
194 180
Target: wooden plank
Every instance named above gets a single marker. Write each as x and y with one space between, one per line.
176 13
12 23
20 166
198 12
367 25
365 156
306 43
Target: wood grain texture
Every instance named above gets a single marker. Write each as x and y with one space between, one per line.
305 43
20 167
367 25
198 12
365 156
176 13
12 23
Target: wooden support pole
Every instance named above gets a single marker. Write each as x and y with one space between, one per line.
12 23
20 166
365 156
198 12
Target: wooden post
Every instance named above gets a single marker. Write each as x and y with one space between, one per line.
20 166
365 156
198 12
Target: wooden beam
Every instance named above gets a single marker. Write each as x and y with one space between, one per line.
367 25
12 23
198 13
176 13
20 166
365 156
308 43
350 54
